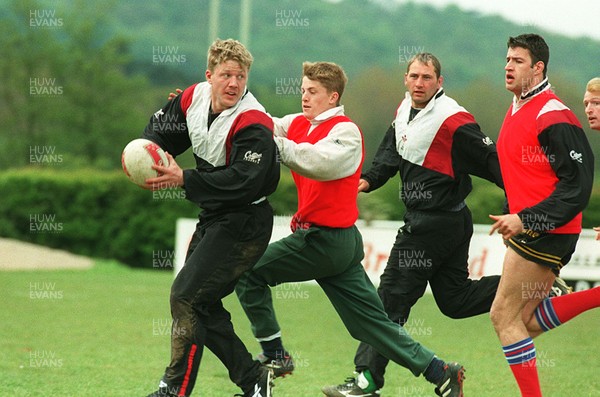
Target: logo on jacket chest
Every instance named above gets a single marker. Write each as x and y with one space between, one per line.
403 140
413 144
252 157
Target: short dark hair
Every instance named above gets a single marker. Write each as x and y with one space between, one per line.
425 58
535 44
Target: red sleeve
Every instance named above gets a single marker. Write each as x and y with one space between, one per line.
244 120
186 98
438 156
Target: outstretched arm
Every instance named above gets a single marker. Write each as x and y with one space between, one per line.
334 157
385 164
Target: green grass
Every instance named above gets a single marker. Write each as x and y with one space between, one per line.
102 332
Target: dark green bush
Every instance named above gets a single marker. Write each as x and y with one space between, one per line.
103 215
100 214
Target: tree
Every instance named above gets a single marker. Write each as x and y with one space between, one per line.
67 92
27 102
371 100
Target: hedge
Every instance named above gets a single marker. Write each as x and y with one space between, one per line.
98 214
103 215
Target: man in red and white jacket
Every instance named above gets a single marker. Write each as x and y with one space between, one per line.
547 167
324 150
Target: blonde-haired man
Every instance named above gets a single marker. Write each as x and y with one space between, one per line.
231 137
324 150
591 102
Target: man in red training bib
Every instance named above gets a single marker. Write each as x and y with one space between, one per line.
324 150
547 167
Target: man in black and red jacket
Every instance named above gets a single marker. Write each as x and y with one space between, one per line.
236 169
435 144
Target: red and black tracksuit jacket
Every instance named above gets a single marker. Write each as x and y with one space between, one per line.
547 163
235 165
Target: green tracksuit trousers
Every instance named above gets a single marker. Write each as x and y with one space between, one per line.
332 257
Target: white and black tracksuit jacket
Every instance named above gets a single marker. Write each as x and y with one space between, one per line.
434 152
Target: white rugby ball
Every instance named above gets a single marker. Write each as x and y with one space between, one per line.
138 157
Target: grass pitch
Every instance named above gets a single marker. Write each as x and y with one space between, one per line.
105 332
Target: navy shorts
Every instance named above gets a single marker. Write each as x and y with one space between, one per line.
546 249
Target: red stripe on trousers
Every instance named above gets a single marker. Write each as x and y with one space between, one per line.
186 379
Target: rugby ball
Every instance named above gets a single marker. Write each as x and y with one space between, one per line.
138 157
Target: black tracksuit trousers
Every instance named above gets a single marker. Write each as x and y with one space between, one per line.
224 246
431 247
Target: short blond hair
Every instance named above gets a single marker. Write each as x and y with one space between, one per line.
593 85
329 74
228 50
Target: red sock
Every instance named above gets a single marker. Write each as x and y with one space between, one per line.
522 361
527 378
553 312
571 305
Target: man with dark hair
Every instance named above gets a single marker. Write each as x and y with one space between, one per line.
434 143
536 46
547 167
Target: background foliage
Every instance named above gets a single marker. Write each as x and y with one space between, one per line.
106 58
73 94
103 215
100 214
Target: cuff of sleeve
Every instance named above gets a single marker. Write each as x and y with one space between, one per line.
370 189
